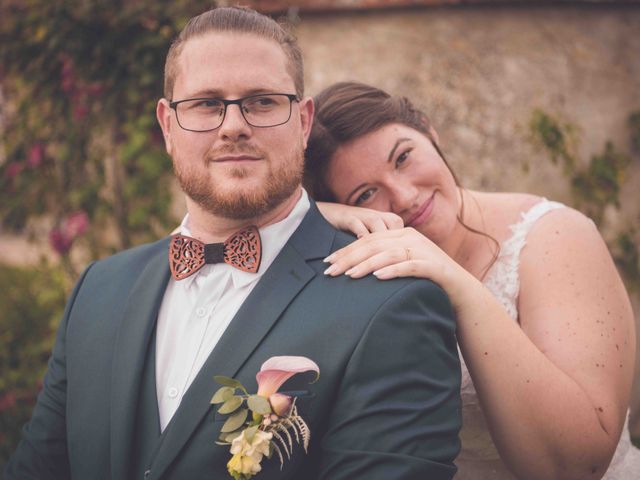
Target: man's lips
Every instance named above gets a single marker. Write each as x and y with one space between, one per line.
236 158
422 214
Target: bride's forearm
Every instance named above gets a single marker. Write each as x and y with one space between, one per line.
543 423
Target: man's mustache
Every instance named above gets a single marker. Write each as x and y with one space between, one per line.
233 149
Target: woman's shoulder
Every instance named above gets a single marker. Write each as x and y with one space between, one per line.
509 204
535 220
554 227
508 208
502 210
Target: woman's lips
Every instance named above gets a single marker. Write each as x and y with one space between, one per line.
423 213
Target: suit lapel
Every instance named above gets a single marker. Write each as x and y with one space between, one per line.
284 279
134 333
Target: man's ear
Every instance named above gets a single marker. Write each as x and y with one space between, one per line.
306 117
163 114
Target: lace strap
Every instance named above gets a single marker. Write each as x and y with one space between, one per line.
503 279
514 244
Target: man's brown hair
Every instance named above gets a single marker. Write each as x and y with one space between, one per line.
238 20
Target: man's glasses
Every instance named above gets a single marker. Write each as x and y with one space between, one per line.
206 114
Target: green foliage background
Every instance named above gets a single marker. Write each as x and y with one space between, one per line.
80 81
596 184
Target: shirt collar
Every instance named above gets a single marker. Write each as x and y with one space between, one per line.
273 238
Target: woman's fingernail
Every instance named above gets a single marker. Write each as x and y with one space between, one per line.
350 272
329 259
379 274
330 270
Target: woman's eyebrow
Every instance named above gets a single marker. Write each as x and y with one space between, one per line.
354 191
395 147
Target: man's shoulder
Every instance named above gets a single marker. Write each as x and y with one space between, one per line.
133 258
378 291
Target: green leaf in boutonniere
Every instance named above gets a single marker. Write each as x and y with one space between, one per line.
235 421
231 405
259 404
222 395
230 382
273 415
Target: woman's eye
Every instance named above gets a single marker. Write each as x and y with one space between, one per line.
364 196
402 157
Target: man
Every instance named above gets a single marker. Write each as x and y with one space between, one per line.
129 383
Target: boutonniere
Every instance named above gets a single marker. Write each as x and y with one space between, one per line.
260 424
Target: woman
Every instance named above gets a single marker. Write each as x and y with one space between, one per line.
545 326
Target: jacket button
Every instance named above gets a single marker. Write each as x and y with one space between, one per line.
147 474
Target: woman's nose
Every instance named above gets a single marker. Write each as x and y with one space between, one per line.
403 197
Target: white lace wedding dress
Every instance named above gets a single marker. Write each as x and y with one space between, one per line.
479 459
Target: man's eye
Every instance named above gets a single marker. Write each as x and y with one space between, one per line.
211 103
265 101
260 103
364 196
207 104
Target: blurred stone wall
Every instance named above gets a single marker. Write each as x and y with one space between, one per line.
479 73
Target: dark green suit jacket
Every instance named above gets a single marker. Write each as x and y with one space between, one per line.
386 405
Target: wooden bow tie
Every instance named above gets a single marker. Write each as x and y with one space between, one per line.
242 250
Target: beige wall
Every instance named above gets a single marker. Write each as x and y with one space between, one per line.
480 72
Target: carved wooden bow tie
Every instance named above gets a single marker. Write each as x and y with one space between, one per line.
242 250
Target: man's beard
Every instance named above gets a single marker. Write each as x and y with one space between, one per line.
239 204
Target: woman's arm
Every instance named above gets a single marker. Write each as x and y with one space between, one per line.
555 391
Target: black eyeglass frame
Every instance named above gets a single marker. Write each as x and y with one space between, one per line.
238 101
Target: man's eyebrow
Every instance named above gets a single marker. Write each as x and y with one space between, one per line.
213 93
395 147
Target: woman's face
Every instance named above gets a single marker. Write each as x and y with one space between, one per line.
397 169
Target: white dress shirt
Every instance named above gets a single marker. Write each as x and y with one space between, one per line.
196 311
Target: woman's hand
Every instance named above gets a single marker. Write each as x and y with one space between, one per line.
359 221
402 253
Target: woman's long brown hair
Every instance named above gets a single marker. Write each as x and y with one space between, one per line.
348 110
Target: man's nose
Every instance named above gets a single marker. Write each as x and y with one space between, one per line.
234 125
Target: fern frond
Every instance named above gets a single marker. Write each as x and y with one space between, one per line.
278 437
289 424
304 431
283 428
279 452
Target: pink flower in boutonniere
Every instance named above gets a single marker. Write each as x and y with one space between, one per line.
273 415
277 370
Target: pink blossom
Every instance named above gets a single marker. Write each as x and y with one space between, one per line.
277 370
67 74
13 170
7 401
281 403
35 156
76 223
73 226
80 112
95 89
59 241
